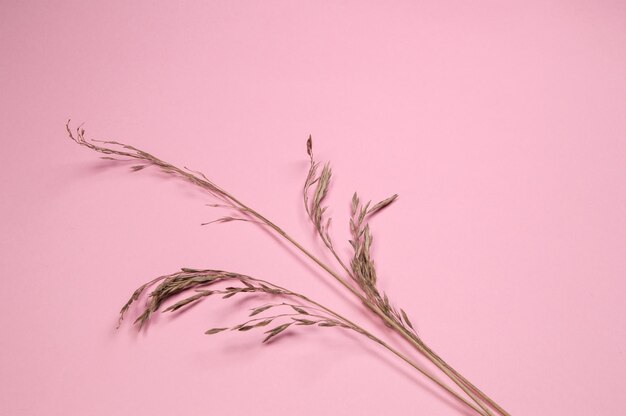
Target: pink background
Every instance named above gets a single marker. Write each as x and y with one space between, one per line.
500 125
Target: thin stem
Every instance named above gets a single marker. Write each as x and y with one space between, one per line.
202 181
464 380
355 327
371 306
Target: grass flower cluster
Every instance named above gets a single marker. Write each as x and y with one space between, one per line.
287 310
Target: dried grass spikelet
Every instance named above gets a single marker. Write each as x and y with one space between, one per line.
288 309
205 283
362 269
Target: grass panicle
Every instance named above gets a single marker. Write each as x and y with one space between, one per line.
287 309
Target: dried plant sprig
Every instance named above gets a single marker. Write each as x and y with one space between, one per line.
306 313
363 272
362 269
379 307
362 263
313 206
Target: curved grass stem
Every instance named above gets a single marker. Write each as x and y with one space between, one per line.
145 159
374 308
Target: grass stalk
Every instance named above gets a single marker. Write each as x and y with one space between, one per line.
367 292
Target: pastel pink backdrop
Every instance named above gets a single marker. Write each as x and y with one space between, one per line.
500 124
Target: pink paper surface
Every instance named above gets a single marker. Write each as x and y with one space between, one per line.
500 124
